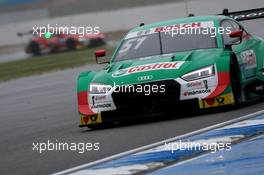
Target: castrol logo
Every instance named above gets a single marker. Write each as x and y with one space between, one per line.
148 67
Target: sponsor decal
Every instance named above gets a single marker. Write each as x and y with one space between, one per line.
178 26
93 101
204 91
100 98
221 100
97 98
195 84
92 119
197 89
100 102
203 24
145 78
246 15
107 105
249 59
198 84
205 84
148 67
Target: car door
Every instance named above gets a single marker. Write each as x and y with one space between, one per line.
246 50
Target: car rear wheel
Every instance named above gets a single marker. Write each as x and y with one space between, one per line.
71 44
34 48
235 81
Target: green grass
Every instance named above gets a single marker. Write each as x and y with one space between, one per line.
47 63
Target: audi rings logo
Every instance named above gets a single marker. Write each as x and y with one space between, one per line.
145 78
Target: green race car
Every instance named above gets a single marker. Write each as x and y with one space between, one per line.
159 68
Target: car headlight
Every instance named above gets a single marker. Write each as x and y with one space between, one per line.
199 74
96 88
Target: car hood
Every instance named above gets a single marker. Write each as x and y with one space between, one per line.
155 68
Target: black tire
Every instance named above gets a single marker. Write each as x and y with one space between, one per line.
34 48
235 81
71 44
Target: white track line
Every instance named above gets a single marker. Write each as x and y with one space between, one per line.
71 170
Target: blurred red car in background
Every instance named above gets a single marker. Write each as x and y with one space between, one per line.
62 42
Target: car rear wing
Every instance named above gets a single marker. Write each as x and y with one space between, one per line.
21 34
245 14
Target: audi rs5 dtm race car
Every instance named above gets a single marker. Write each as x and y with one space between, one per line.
155 70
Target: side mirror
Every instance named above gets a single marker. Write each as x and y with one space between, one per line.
236 34
235 38
100 53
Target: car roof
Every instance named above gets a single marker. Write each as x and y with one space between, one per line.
180 20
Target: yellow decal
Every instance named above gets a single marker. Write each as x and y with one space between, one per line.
91 119
221 100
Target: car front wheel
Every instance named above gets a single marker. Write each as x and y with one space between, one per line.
235 81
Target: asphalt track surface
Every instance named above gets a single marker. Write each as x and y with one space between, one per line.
42 108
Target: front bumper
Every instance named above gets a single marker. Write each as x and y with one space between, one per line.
179 96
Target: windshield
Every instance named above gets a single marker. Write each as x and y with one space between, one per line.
163 43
